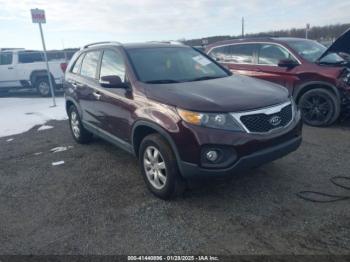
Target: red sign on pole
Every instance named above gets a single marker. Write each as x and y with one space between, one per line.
38 16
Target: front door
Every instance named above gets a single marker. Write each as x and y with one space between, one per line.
268 56
115 104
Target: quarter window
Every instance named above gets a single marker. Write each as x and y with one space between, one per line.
5 58
89 65
112 65
75 69
270 54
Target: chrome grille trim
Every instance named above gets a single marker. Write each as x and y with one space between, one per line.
267 111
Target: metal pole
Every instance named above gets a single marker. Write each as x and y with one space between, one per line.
47 66
242 27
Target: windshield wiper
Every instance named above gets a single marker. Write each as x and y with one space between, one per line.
204 78
162 81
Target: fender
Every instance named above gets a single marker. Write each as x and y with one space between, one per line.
39 73
321 83
161 131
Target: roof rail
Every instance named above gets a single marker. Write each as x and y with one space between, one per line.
101 43
169 42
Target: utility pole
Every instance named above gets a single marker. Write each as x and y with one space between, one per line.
242 26
307 30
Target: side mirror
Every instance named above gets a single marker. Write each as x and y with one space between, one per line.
112 82
288 63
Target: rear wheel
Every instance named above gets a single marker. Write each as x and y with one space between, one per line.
319 107
42 85
159 167
80 134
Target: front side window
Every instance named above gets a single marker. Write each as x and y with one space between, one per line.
172 65
89 65
30 57
241 54
5 58
112 65
270 54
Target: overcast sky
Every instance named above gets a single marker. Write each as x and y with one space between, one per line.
72 23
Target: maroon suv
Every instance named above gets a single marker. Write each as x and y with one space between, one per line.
179 111
317 77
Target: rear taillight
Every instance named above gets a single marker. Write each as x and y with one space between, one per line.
63 67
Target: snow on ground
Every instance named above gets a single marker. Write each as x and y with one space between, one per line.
44 127
18 115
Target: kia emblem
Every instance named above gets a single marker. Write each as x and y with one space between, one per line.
275 120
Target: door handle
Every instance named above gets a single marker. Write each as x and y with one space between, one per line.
97 95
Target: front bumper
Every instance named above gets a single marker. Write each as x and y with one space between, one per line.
190 170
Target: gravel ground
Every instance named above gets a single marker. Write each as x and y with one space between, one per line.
97 203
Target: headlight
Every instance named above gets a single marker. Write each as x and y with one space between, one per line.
212 120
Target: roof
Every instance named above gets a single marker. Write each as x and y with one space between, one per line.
257 39
136 45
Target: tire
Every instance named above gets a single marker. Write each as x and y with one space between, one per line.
165 181
319 107
42 86
80 134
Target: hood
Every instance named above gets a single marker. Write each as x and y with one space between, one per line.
229 94
342 44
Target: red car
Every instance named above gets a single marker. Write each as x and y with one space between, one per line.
317 77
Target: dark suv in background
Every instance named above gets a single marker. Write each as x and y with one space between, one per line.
317 77
180 112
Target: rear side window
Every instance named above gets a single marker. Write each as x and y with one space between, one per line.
270 54
112 65
5 58
30 57
76 67
241 54
89 65
220 53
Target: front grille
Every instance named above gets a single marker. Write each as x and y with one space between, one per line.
261 123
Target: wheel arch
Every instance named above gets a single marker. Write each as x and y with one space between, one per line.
143 128
316 84
35 75
69 103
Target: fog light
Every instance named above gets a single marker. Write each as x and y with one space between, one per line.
212 155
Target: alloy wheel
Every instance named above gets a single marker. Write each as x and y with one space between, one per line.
155 167
75 124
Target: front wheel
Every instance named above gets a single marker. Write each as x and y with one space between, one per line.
159 167
319 107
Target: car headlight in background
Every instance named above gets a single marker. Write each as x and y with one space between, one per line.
212 120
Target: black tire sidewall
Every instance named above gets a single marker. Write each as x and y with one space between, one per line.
331 98
173 176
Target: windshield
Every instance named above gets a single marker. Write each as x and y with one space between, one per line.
173 65
312 51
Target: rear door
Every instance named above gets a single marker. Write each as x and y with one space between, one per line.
85 84
268 56
8 76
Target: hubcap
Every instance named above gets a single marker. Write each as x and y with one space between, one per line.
44 88
316 109
155 168
75 124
